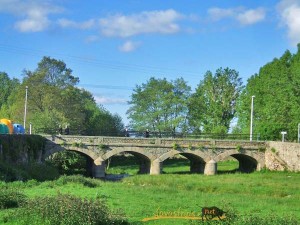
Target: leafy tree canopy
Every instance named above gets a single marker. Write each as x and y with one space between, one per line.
159 105
213 105
8 86
54 101
276 104
53 72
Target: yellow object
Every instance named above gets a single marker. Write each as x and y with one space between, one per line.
9 124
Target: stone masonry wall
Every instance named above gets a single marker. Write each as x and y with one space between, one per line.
283 156
16 148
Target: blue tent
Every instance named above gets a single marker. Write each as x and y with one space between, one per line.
18 129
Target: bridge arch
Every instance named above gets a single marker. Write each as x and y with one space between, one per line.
143 157
89 155
57 148
133 150
197 159
248 161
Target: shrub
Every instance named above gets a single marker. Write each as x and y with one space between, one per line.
10 173
69 162
102 146
41 172
78 145
24 172
65 209
261 149
239 148
10 198
213 148
88 182
201 147
32 183
176 146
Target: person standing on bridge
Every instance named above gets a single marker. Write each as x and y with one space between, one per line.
147 134
67 130
60 130
126 132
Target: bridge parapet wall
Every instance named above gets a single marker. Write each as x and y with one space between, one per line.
195 143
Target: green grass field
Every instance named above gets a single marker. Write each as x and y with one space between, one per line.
261 194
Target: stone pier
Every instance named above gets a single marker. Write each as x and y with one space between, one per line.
211 168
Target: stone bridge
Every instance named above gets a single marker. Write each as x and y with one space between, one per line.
152 152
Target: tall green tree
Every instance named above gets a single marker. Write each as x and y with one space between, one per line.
99 121
54 72
54 101
53 98
159 105
276 104
179 105
8 86
213 105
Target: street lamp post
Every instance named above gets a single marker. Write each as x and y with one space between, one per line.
251 118
25 108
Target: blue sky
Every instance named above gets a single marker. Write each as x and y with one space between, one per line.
112 46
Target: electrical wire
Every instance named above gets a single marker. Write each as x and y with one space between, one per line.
113 65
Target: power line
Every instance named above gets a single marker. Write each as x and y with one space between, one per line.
107 86
97 62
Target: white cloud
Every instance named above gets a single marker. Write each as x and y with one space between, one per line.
243 16
34 22
129 46
34 16
79 25
91 38
163 22
34 13
289 11
217 14
251 16
109 101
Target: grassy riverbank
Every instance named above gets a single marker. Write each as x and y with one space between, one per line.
256 195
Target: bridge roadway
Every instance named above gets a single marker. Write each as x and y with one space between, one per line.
152 152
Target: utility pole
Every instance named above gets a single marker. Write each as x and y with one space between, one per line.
251 117
25 108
